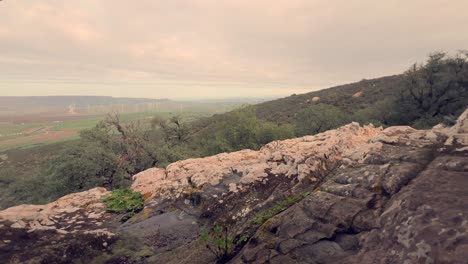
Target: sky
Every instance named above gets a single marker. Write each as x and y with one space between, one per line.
198 49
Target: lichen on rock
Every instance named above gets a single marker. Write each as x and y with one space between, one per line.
374 195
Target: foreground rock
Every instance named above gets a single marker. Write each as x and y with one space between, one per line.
56 232
351 195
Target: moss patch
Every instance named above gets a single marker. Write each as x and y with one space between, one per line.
124 201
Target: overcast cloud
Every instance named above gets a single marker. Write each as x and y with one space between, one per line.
216 48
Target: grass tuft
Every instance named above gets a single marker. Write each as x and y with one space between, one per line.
124 201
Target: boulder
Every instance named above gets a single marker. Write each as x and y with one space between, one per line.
358 94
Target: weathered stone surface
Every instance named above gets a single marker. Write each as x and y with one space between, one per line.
72 225
300 157
351 195
146 182
63 215
407 203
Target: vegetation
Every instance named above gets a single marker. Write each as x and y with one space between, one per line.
218 241
107 153
319 118
28 135
22 179
124 201
240 129
436 89
285 110
115 149
223 245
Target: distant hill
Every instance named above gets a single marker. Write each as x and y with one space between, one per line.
38 107
283 110
28 104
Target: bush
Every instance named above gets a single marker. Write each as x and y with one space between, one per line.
319 118
83 166
426 122
124 201
437 88
238 130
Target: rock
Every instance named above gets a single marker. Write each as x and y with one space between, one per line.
313 99
408 211
350 195
458 134
73 213
358 94
145 182
301 157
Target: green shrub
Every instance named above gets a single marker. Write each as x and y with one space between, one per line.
426 122
240 129
319 118
124 201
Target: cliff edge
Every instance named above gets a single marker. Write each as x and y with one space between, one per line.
351 195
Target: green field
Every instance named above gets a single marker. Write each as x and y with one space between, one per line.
29 135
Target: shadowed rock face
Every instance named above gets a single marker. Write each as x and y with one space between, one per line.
351 195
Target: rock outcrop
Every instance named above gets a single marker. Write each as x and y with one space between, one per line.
350 195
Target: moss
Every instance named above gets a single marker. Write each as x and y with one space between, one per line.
124 201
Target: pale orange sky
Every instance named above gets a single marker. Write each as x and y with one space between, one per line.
216 48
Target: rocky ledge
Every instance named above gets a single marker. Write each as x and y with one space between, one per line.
351 195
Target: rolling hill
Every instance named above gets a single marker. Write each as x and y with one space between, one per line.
283 110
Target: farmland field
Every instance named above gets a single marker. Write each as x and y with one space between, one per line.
31 134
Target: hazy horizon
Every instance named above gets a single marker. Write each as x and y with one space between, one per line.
200 50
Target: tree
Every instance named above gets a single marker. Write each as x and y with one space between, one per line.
106 155
135 149
174 131
83 166
319 118
439 87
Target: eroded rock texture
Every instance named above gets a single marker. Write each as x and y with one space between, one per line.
351 195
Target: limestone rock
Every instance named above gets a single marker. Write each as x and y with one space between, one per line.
350 195
71 209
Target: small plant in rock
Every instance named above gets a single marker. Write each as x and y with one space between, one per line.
221 244
218 242
124 201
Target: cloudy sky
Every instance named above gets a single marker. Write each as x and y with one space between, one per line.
216 48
